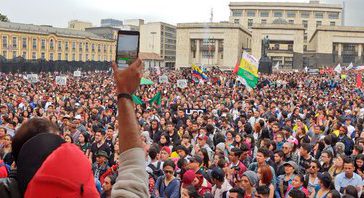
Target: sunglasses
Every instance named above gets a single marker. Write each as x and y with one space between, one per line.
313 167
168 172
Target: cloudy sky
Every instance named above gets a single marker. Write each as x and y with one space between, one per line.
58 13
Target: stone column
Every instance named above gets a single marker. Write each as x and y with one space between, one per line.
197 59
360 50
339 49
216 57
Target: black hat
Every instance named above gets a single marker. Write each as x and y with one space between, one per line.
183 148
217 173
196 158
102 153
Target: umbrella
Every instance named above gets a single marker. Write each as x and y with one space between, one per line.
145 81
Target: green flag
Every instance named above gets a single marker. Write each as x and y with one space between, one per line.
137 100
157 99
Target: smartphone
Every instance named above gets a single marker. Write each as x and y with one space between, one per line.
127 48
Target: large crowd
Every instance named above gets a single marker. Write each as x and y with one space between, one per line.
294 135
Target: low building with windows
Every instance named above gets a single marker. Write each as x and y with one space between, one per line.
34 42
332 45
151 60
211 44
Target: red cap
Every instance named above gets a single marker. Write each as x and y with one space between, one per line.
188 177
63 170
167 149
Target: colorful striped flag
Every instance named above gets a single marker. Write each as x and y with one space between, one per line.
248 70
197 71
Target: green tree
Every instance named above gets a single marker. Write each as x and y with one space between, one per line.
4 18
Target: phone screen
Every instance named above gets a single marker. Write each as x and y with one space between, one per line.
127 49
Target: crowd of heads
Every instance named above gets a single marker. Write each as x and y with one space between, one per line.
293 135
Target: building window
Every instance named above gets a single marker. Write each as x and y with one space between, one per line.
264 13
5 42
66 56
305 48
237 13
250 13
43 44
319 15
333 15
276 46
332 23
250 23
51 56
34 44
87 57
318 23
14 54
290 47
73 46
34 55
99 58
264 21
291 14
305 24
278 14
24 55
305 37
110 48
80 57
236 21
59 45
73 57
42 55
105 49
99 48
5 54
80 47
51 44
86 47
66 45
93 57
305 14
24 43
93 47
15 42
291 21
59 56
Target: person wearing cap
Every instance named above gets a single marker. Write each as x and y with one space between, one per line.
221 186
101 165
202 143
249 181
285 180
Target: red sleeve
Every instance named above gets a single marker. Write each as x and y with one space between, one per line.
3 172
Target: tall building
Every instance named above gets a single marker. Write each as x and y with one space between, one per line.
310 15
111 23
211 44
79 25
159 38
50 43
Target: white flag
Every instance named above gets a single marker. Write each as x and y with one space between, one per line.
338 69
277 66
350 67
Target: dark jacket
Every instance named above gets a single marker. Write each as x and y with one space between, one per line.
9 187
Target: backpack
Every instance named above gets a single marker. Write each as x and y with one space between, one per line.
156 171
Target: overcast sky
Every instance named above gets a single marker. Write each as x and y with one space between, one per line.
58 13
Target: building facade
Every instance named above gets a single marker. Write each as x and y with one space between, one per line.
211 44
309 15
286 43
34 42
332 45
111 23
159 38
79 25
151 61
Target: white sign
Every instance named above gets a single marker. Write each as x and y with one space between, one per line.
77 73
61 80
163 79
33 78
182 83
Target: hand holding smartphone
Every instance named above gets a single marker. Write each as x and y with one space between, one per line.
127 48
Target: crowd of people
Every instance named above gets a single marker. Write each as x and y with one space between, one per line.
294 135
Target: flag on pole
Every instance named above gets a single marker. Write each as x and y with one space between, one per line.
197 71
156 99
277 66
248 70
137 100
338 69
350 67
